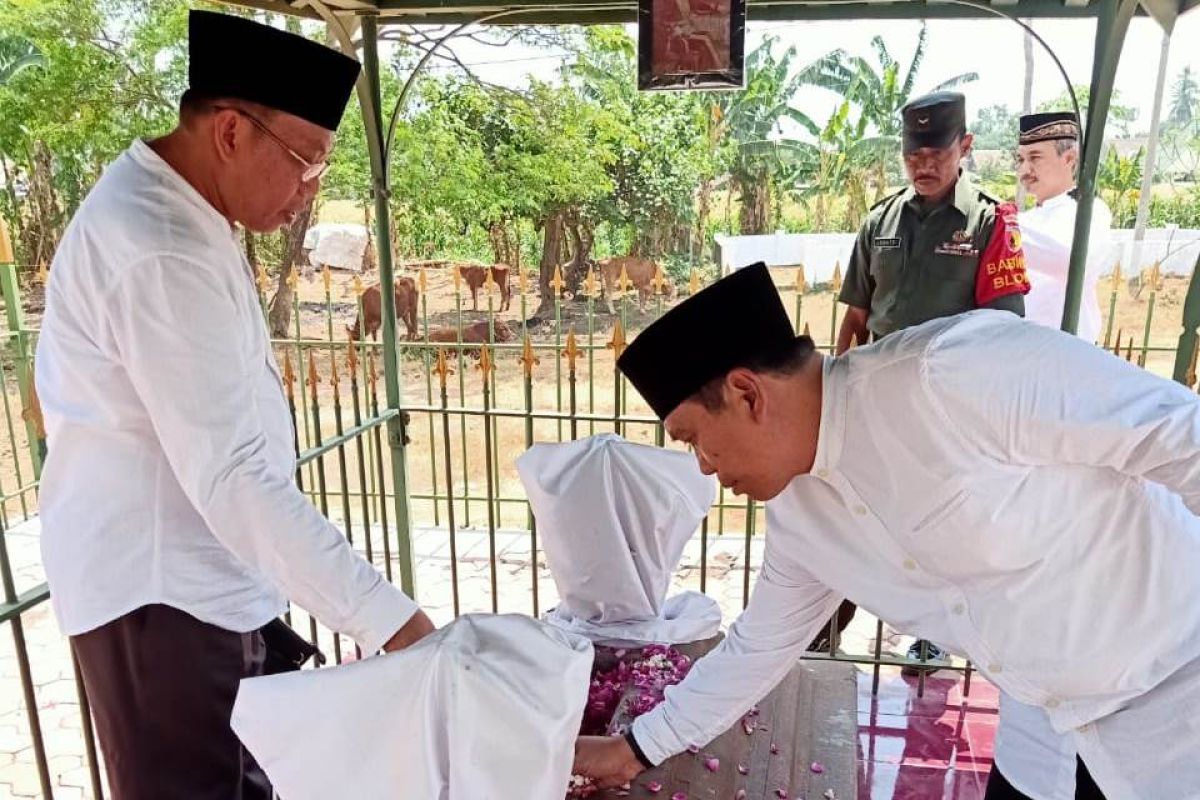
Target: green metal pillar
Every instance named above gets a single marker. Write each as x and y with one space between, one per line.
373 123
1111 26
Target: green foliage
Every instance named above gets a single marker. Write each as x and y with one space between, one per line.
1120 180
1120 117
996 128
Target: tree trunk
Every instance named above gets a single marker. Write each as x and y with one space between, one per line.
704 208
1143 211
280 314
1027 101
582 234
552 241
42 230
251 249
756 208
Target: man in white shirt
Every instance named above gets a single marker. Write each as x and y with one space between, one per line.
1047 158
172 529
1006 489
1031 760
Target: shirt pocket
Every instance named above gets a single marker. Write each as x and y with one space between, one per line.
887 263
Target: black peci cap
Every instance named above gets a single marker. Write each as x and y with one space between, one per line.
736 319
242 59
1048 126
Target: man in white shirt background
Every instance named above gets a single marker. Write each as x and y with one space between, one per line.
1047 159
1032 760
1006 489
173 534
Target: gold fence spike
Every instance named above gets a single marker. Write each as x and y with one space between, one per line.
1156 277
43 273
623 282
372 375
572 350
1117 345
264 282
807 332
617 343
6 251
1129 349
422 281
456 273
694 282
837 277
522 281
358 286
33 412
489 283
660 280
801 282
557 282
486 365
289 376
442 368
333 377
527 357
313 377
352 361
1116 276
326 277
1191 373
590 285
293 277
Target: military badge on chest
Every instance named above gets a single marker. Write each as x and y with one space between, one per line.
959 244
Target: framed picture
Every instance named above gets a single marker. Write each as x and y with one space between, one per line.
691 44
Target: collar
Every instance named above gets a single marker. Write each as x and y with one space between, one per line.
151 161
1058 200
961 198
832 430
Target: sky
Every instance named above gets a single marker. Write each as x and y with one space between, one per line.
992 48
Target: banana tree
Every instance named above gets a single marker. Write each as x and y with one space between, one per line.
16 56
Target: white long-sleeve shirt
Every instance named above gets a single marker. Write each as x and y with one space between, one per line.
170 471
1047 232
998 487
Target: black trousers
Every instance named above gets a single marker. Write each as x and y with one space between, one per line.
999 788
161 685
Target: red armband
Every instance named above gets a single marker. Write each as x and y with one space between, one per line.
1002 264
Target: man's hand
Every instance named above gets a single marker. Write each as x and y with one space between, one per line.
417 628
607 760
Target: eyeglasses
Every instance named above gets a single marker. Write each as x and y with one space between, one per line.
312 171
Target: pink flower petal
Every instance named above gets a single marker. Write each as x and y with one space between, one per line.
712 764
743 769
781 793
817 767
774 749
679 796
654 787
693 749
748 726
740 794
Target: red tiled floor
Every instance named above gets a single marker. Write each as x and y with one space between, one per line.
937 746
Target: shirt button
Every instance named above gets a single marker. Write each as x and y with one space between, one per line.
910 564
1052 703
959 609
995 668
822 473
860 510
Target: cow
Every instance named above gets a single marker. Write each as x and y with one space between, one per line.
641 272
476 275
368 322
475 333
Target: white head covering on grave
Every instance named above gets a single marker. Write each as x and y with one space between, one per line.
487 707
614 518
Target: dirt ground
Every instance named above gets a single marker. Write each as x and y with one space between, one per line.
460 438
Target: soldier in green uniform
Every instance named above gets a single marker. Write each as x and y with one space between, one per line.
938 248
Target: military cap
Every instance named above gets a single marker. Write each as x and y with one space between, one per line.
934 120
233 57
738 318
1049 126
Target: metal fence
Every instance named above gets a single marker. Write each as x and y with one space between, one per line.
450 510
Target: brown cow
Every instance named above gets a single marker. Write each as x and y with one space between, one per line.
475 333
641 273
476 275
407 299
